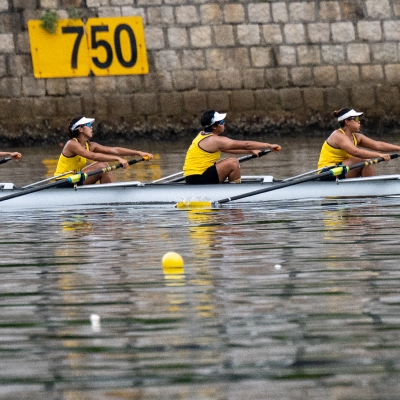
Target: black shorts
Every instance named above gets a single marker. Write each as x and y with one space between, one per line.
209 176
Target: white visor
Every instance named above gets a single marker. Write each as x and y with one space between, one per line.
217 117
349 114
82 121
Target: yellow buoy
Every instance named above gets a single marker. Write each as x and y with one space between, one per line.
172 260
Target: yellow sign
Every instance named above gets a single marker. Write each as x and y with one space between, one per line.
104 46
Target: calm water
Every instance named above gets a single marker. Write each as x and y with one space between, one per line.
285 301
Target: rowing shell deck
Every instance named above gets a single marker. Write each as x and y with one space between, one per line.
138 193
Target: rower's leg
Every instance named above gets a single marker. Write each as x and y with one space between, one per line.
228 168
370 170
105 177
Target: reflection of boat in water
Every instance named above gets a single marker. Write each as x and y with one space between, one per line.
138 193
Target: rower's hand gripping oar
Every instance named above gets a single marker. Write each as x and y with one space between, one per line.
336 171
241 159
81 176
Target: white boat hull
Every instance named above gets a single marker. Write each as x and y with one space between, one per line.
137 193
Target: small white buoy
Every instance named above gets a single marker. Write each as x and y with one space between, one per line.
95 321
277 266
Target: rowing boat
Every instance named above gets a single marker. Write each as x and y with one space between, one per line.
138 193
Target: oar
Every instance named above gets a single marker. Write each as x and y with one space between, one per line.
4 160
241 159
332 172
48 179
71 179
310 173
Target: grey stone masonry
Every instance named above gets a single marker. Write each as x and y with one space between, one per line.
292 61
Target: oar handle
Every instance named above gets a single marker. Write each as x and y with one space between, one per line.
336 171
4 160
81 176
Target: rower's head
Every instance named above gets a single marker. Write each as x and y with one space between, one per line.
346 114
76 123
210 119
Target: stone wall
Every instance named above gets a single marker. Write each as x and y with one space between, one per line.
273 65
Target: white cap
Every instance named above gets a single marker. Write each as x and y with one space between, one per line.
349 114
217 117
82 121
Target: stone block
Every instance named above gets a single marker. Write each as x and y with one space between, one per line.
363 96
78 86
48 4
336 98
17 108
242 100
207 80
234 13
160 16
45 107
27 15
79 3
128 83
187 15
24 4
267 99
329 10
105 12
194 101
378 9
158 81
216 59
193 59
211 14
358 53
3 5
93 104
351 10
146 103
294 33
19 65
248 34
319 32
70 106
7 43
259 13
3 65
56 87
272 34
119 105
167 60
342 32
391 30
386 52
129 11
280 12
154 38
23 44
333 54
302 76
277 77
237 57
396 7
150 2
348 75
372 73
369 30
11 22
262 57
230 79
171 104
392 73
314 98
388 96
10 87
302 11
325 76
310 55
177 37
104 84
183 80
175 2
285 55
223 35
291 98
200 36
218 100
253 78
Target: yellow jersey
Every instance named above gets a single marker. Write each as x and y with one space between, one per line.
75 163
331 155
198 160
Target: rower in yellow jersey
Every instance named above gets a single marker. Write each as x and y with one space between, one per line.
202 164
347 146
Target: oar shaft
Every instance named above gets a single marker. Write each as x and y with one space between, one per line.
332 172
71 179
4 160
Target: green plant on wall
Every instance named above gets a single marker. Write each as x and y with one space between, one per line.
75 13
50 21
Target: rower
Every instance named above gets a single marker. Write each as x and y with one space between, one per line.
79 148
202 164
347 146
15 155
